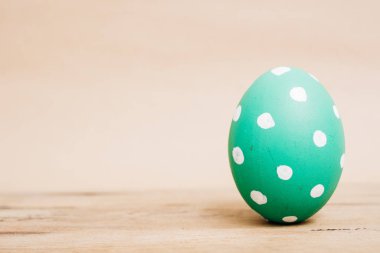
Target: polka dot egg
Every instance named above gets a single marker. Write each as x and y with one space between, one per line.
286 145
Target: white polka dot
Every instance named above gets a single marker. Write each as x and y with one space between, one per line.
284 172
319 138
258 197
313 76
298 94
265 121
336 112
317 191
238 155
342 160
290 219
237 114
280 70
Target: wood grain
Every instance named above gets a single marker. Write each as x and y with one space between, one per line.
182 221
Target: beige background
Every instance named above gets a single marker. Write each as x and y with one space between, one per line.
114 95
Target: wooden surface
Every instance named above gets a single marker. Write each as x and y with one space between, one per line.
182 221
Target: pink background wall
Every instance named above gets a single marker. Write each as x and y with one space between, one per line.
114 95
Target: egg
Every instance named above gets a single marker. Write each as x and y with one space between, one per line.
286 145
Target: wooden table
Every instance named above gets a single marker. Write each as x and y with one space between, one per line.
182 221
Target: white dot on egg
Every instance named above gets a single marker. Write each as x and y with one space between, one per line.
298 94
336 112
237 113
319 138
290 219
313 76
258 197
265 121
280 70
284 172
238 155
342 160
317 191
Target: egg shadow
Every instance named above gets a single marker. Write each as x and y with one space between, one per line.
233 214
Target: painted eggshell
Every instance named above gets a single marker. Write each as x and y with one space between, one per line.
286 145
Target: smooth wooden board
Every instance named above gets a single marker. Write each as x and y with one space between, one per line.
182 221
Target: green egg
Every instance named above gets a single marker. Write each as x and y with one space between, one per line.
286 145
